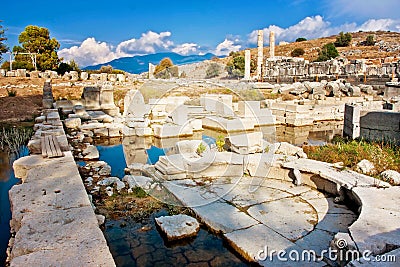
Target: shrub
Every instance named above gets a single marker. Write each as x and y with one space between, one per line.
220 143
344 39
301 39
213 70
327 52
164 63
11 92
106 69
201 148
297 52
370 40
235 67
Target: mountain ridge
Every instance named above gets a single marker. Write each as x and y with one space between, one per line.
139 64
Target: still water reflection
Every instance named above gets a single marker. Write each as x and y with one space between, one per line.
7 180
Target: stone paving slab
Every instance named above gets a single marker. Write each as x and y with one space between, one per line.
257 242
246 195
374 261
61 236
345 178
291 217
52 216
378 225
222 217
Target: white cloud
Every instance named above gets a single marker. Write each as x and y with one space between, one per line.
186 48
380 24
89 52
148 43
227 46
363 9
315 27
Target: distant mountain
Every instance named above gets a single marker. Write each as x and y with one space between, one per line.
139 64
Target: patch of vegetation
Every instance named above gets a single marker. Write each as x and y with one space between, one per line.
327 52
213 70
301 39
201 148
297 52
384 156
35 39
369 41
248 95
220 142
343 39
139 192
235 66
3 46
12 138
67 67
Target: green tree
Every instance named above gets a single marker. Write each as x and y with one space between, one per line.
301 39
370 41
3 46
67 67
343 39
297 52
164 64
327 52
213 70
35 39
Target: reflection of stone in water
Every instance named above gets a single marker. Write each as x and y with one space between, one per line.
319 133
135 149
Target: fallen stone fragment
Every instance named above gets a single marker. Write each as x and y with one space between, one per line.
391 177
178 226
365 166
90 152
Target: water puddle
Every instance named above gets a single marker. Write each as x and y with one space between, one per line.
140 244
7 180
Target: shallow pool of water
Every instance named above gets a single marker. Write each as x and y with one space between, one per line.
140 244
7 180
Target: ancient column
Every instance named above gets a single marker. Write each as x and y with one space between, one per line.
151 71
272 44
247 60
260 55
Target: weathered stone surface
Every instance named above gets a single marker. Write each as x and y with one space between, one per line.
178 226
377 227
246 143
52 216
299 213
112 180
257 242
72 123
365 166
391 177
223 217
345 178
90 153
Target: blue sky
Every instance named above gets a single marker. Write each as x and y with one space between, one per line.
93 32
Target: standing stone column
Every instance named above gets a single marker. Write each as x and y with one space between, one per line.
151 71
271 44
247 60
260 55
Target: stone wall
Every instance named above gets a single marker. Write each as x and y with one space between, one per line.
288 69
374 125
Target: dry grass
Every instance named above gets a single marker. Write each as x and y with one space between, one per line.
311 47
383 156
